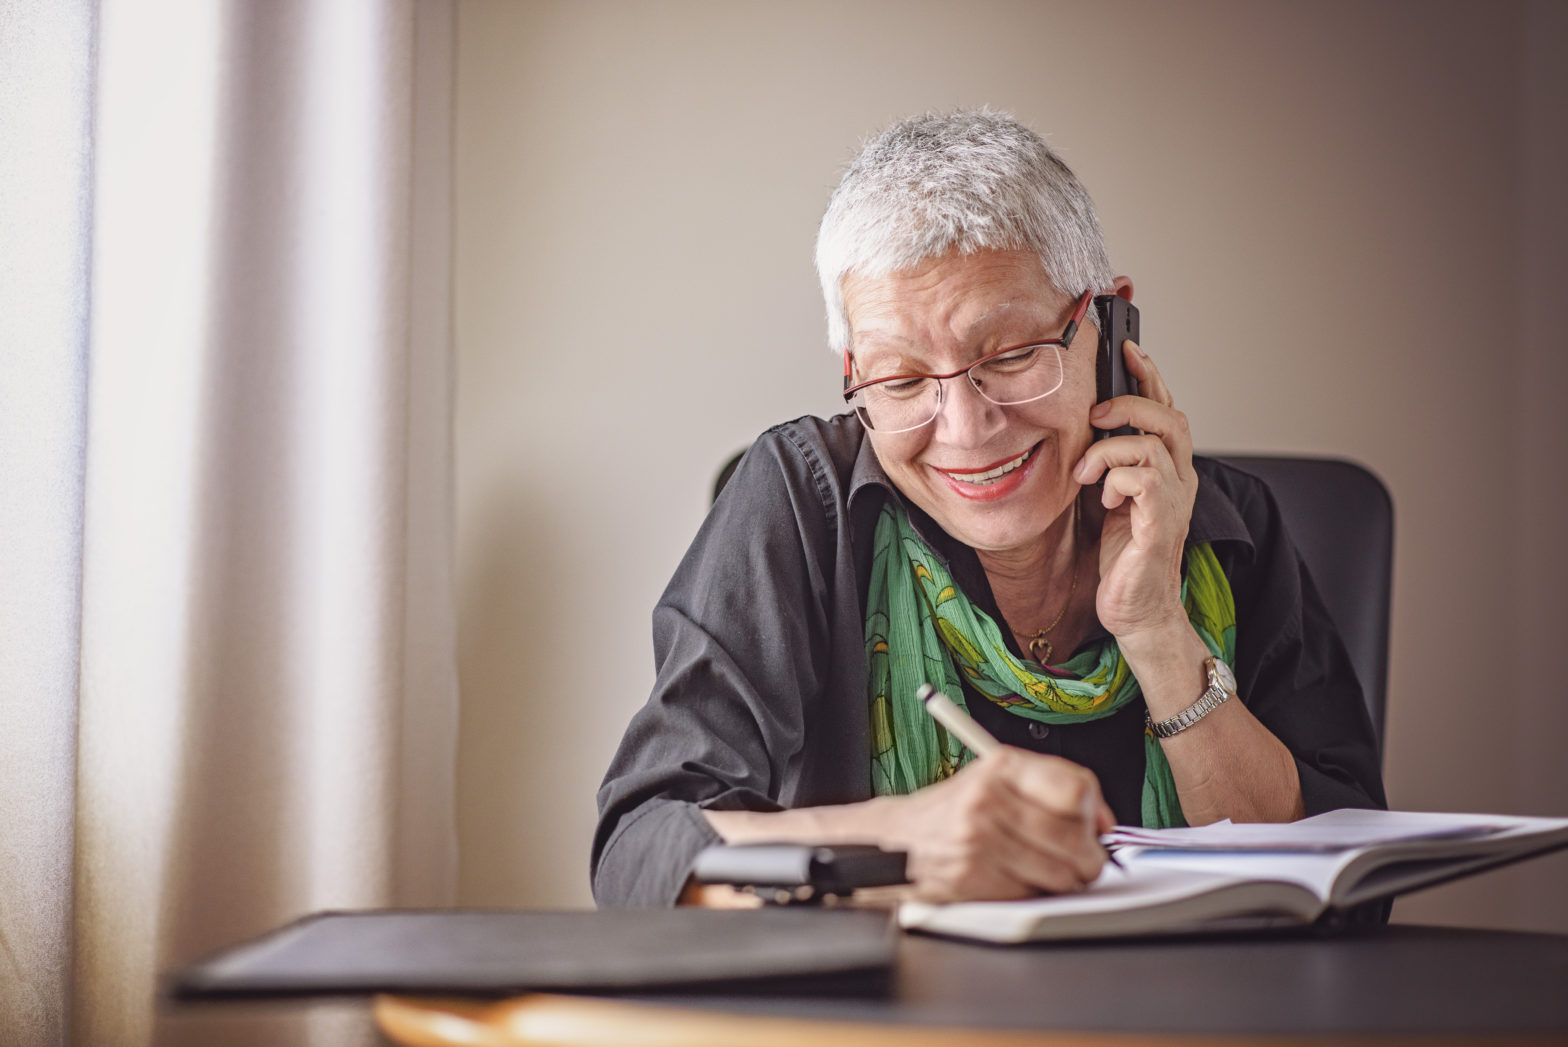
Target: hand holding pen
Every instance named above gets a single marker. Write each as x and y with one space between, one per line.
979 741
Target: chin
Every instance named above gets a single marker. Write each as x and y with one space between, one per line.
999 528
996 536
1011 523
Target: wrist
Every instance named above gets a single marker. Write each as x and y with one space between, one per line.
1220 689
1169 665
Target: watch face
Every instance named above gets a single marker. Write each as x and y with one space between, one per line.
1226 677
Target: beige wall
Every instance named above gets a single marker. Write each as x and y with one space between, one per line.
1341 219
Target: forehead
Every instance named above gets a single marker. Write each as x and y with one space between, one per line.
953 300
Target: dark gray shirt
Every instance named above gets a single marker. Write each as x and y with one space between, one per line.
760 698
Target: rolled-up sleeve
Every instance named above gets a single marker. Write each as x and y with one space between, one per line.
740 638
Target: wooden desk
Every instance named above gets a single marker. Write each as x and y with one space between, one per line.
1392 986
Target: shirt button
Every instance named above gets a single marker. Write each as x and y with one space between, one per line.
1038 730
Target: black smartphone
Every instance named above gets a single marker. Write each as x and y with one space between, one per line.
798 872
1118 323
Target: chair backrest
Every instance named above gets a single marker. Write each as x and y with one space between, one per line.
1342 520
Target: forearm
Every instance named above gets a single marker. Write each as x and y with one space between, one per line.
864 822
1228 765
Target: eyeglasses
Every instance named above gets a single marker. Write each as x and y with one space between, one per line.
897 403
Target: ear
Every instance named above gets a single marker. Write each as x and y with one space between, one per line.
1122 287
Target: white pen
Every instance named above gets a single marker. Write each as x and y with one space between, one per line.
976 739
946 712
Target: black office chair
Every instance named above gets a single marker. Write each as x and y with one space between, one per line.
1342 520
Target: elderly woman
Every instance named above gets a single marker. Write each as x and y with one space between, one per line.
1093 603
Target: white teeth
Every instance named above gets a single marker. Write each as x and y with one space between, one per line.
996 474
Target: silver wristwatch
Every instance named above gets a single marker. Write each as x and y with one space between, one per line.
1222 685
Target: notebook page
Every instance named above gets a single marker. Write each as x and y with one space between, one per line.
1333 831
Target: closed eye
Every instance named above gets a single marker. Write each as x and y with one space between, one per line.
1014 359
901 387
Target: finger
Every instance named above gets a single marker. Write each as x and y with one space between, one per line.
1151 384
1022 843
1139 484
1148 450
988 841
1164 423
959 854
1139 412
1054 851
1057 811
1024 816
1054 783
1095 812
957 876
984 853
1143 414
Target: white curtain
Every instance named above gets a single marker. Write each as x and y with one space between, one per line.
227 681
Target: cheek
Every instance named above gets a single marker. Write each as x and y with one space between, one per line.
1079 382
1066 414
897 452
1066 410
1078 434
1077 396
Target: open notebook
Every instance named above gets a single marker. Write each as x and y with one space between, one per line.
1228 877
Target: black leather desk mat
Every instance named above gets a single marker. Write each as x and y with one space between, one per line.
795 950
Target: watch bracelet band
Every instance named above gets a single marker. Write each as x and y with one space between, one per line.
1212 698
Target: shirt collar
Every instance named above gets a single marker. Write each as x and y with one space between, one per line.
1215 518
867 471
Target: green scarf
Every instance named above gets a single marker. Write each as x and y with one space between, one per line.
920 628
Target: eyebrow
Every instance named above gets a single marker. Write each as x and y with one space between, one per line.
903 356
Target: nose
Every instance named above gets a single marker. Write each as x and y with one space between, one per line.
965 418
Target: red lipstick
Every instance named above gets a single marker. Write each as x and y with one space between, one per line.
996 489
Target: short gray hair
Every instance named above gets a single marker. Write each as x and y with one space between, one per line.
972 180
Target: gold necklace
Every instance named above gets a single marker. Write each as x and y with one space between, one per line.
1038 641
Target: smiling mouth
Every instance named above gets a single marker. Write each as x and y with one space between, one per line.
990 476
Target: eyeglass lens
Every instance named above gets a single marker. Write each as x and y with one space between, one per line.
1028 373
